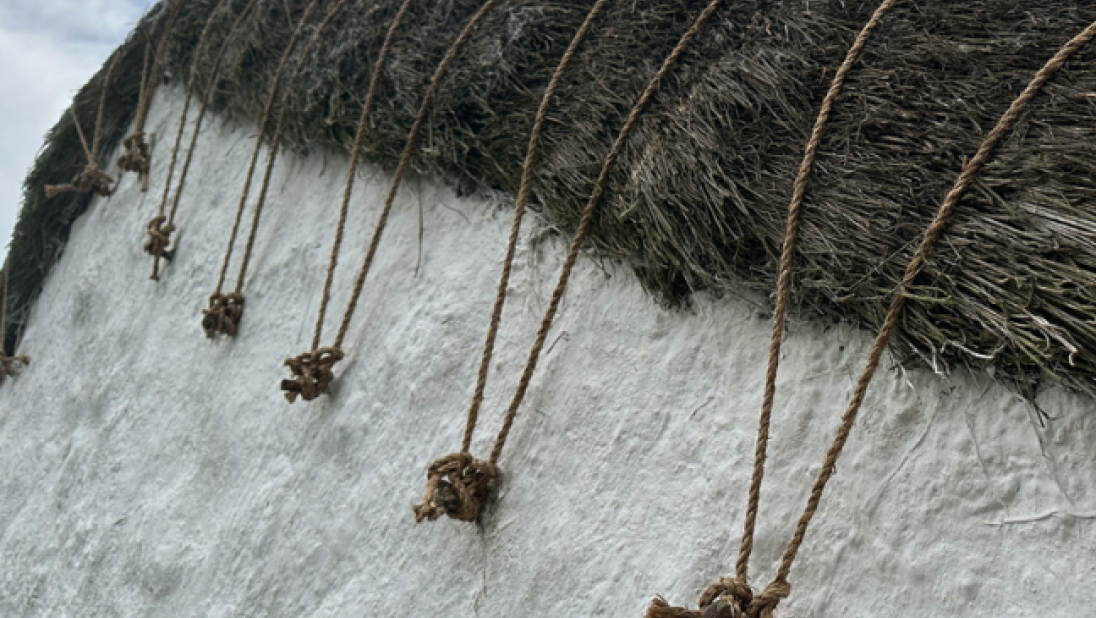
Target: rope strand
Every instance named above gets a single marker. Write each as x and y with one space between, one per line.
783 287
515 229
191 80
932 234
355 152
276 140
587 218
401 169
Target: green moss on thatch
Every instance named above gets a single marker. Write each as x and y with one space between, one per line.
699 196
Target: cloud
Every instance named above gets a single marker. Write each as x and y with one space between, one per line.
51 48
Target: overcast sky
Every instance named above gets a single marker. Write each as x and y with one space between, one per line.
48 49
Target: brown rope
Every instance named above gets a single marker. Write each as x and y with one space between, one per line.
137 155
9 365
92 178
206 97
587 218
303 380
457 485
434 503
405 159
276 139
779 588
519 212
217 299
198 49
783 287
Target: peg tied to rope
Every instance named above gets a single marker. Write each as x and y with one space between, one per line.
312 373
457 485
224 314
727 598
10 366
136 157
92 180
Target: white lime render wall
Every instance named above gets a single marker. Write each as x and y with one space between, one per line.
148 471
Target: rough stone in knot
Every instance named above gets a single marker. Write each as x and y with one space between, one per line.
224 314
159 237
727 598
136 157
10 366
312 373
457 485
92 180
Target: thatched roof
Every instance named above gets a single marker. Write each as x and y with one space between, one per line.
698 199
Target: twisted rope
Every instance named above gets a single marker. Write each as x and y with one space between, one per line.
191 80
780 588
405 159
519 212
92 178
302 382
206 97
217 293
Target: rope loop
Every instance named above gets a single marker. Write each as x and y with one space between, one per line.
224 314
312 373
457 485
136 157
92 180
159 238
727 598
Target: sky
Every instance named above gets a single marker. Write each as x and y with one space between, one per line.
48 49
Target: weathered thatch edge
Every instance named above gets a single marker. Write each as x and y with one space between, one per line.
42 229
479 155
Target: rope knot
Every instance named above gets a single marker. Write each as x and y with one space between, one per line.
136 157
457 485
10 366
91 180
224 314
312 373
159 237
727 598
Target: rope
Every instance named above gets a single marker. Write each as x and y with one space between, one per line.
206 97
137 155
405 159
434 503
519 212
311 377
780 588
9 365
219 301
276 140
92 179
783 287
587 218
198 49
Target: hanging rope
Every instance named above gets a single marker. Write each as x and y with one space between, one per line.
405 158
276 140
733 594
92 179
312 371
449 476
430 508
10 366
161 242
226 310
137 155
207 96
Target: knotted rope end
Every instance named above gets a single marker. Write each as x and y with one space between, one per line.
727 598
312 373
458 486
224 315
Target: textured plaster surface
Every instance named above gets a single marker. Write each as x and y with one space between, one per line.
148 471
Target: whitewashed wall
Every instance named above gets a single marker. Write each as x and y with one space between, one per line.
146 471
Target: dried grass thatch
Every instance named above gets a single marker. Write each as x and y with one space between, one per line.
699 196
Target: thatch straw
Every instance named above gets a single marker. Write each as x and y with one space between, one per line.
699 197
